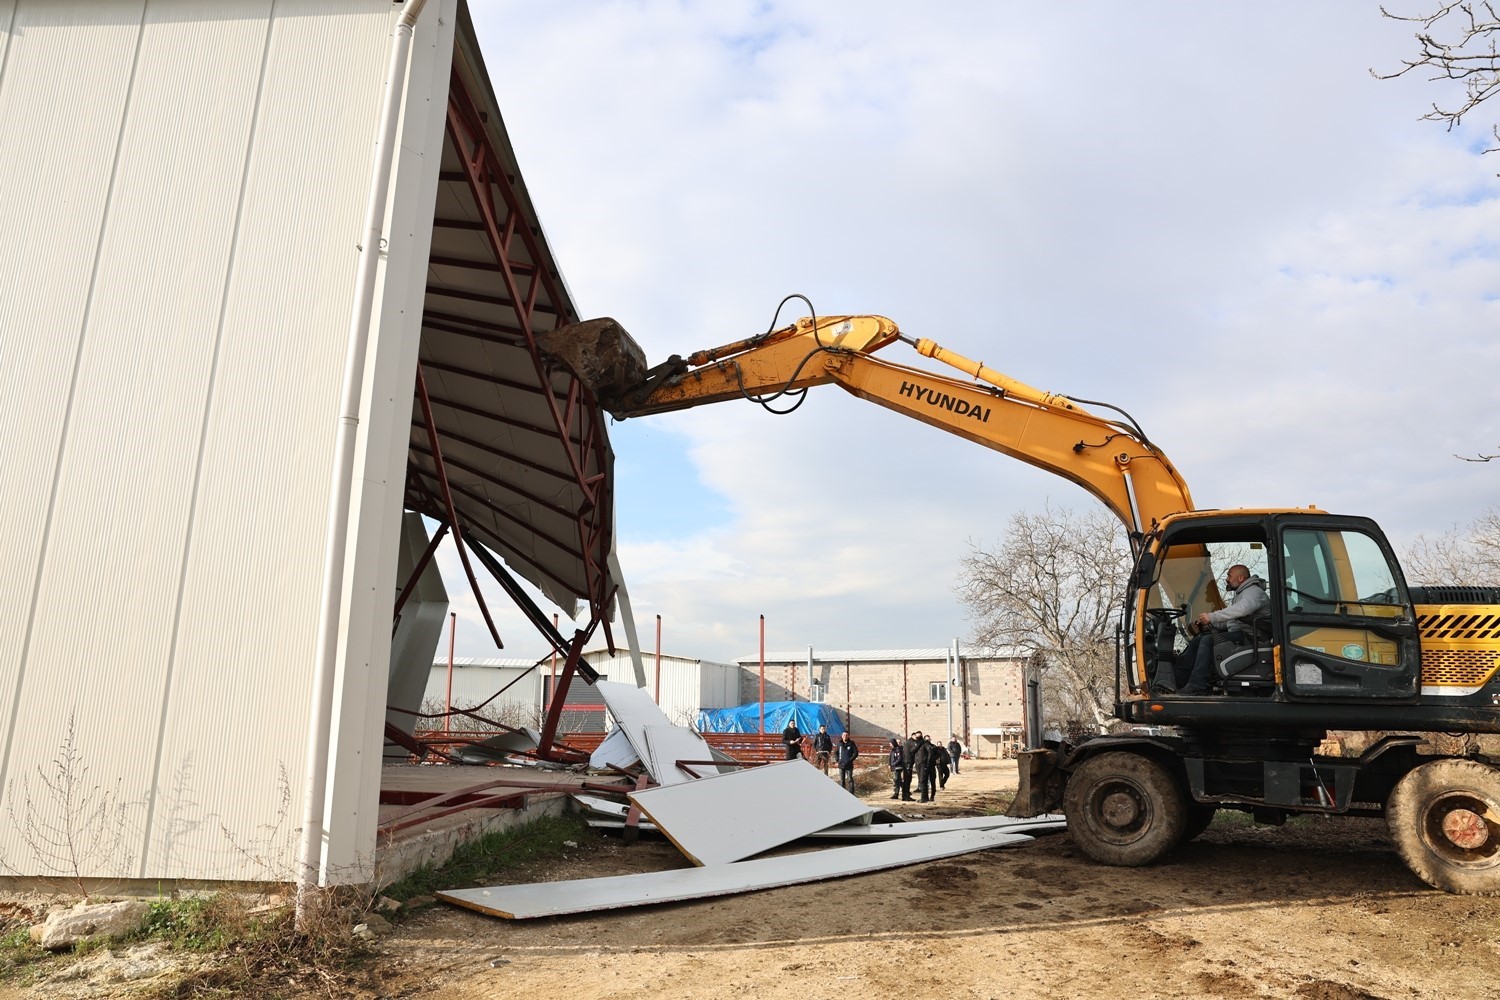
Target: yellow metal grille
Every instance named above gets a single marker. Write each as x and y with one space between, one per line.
1458 667
1465 623
1460 644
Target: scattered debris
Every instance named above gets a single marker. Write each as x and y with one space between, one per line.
65 928
734 816
550 899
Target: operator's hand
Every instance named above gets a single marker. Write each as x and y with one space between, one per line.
1201 622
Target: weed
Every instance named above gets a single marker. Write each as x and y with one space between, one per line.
493 855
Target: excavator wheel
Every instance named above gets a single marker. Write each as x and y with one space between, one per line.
1445 819
1125 809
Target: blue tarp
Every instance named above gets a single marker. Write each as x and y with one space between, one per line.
746 718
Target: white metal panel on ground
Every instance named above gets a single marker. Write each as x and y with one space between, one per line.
731 816
918 828
614 751
550 899
633 710
669 744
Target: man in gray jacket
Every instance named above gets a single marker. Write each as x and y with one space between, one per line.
1194 668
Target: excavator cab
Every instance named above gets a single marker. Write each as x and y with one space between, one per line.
1339 624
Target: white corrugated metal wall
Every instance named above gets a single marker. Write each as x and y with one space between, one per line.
181 186
477 680
686 684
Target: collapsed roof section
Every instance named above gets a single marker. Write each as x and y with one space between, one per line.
508 447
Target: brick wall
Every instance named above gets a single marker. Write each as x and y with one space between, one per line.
881 699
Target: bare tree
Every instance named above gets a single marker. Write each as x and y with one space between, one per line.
1054 585
1456 42
1459 557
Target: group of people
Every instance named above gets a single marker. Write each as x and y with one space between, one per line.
825 750
928 762
925 760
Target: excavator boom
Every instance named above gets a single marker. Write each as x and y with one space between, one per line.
1111 458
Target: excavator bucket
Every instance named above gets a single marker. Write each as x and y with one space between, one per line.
1040 786
600 353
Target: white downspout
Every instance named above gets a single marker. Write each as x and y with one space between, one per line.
319 729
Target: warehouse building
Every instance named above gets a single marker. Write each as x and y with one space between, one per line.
885 692
270 279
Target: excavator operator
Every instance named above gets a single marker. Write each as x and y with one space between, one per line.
1215 635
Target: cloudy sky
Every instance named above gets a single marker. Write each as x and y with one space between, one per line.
1210 215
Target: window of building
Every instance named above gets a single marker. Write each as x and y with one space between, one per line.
937 691
816 694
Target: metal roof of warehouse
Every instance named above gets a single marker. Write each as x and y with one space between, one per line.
523 442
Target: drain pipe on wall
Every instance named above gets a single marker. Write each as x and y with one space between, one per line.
319 730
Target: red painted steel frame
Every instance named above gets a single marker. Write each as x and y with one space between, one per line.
491 184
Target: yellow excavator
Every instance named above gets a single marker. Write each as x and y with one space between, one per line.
1343 644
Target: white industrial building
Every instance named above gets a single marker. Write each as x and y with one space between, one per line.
681 685
232 228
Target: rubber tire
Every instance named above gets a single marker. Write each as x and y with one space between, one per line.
1415 810
1124 809
1199 816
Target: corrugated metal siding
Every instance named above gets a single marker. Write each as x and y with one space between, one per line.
686 684
186 190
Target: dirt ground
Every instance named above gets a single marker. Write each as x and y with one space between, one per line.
1318 909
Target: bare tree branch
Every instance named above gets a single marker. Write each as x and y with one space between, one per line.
1457 42
1054 586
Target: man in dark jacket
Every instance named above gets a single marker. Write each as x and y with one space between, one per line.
846 750
955 751
823 747
792 737
940 758
925 764
913 742
897 763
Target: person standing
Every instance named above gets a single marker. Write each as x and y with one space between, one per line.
846 751
792 737
955 751
896 761
925 764
913 742
823 747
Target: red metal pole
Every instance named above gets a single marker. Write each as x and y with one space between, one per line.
448 706
763 675
658 659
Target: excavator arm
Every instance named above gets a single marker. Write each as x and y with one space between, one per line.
1111 458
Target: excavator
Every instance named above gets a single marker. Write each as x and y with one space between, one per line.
1343 644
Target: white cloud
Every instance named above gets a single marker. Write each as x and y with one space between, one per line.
1211 216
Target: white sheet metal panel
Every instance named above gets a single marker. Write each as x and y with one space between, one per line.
614 751
669 744
633 710
918 828
184 247
64 64
551 899
732 816
422 625
686 686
